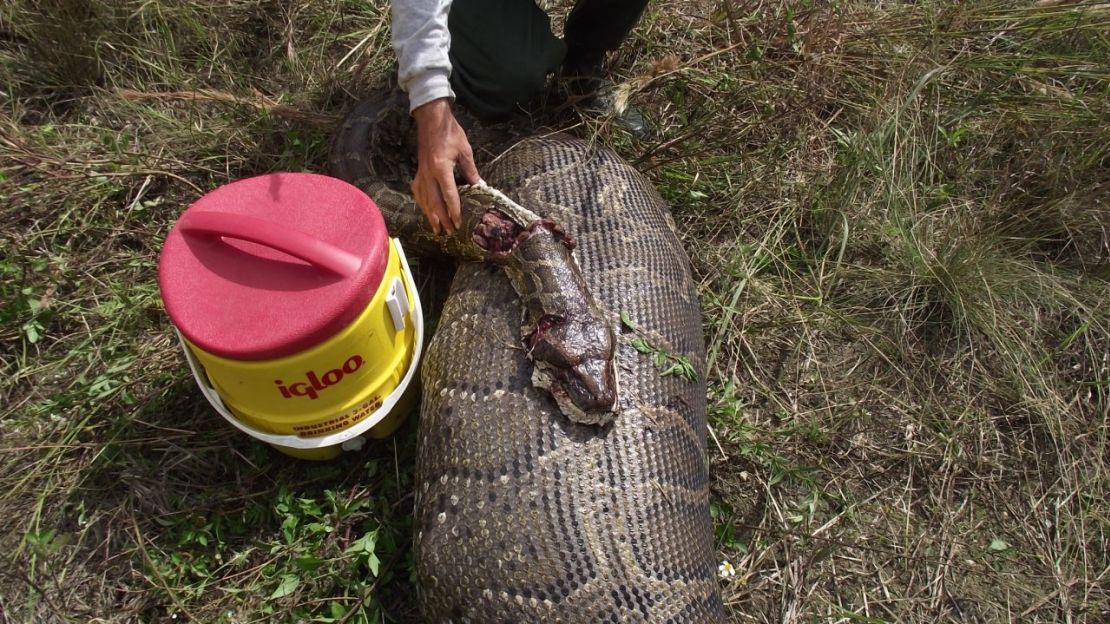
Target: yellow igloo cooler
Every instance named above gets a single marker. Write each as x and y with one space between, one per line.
297 313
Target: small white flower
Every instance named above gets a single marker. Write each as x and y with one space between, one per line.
726 570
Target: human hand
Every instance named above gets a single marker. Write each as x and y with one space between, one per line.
441 145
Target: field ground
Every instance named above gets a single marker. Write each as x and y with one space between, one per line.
897 211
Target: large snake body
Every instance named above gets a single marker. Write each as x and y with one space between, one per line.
524 515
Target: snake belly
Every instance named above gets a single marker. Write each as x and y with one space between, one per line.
523 515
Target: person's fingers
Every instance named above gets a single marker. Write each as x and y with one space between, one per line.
450 195
467 167
426 191
426 200
438 212
442 216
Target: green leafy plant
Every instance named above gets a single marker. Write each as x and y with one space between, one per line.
666 363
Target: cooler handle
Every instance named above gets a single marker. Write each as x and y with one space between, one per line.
269 234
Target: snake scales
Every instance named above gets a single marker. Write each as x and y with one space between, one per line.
521 514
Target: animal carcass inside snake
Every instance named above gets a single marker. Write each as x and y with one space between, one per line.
523 514
567 336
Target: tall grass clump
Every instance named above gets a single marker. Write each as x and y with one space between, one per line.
900 216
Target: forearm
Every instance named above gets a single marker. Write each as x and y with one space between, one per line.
422 41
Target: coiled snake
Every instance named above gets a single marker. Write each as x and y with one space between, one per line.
523 515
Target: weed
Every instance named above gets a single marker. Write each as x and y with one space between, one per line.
665 362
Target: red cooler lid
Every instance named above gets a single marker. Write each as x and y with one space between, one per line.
272 265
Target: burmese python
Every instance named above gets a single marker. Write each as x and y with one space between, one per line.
523 515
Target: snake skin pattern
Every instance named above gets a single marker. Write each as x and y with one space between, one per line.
523 515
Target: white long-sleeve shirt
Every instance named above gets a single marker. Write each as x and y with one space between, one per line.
421 41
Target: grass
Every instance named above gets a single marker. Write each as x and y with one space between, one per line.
897 212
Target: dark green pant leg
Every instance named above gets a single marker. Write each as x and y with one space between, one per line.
595 27
501 53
